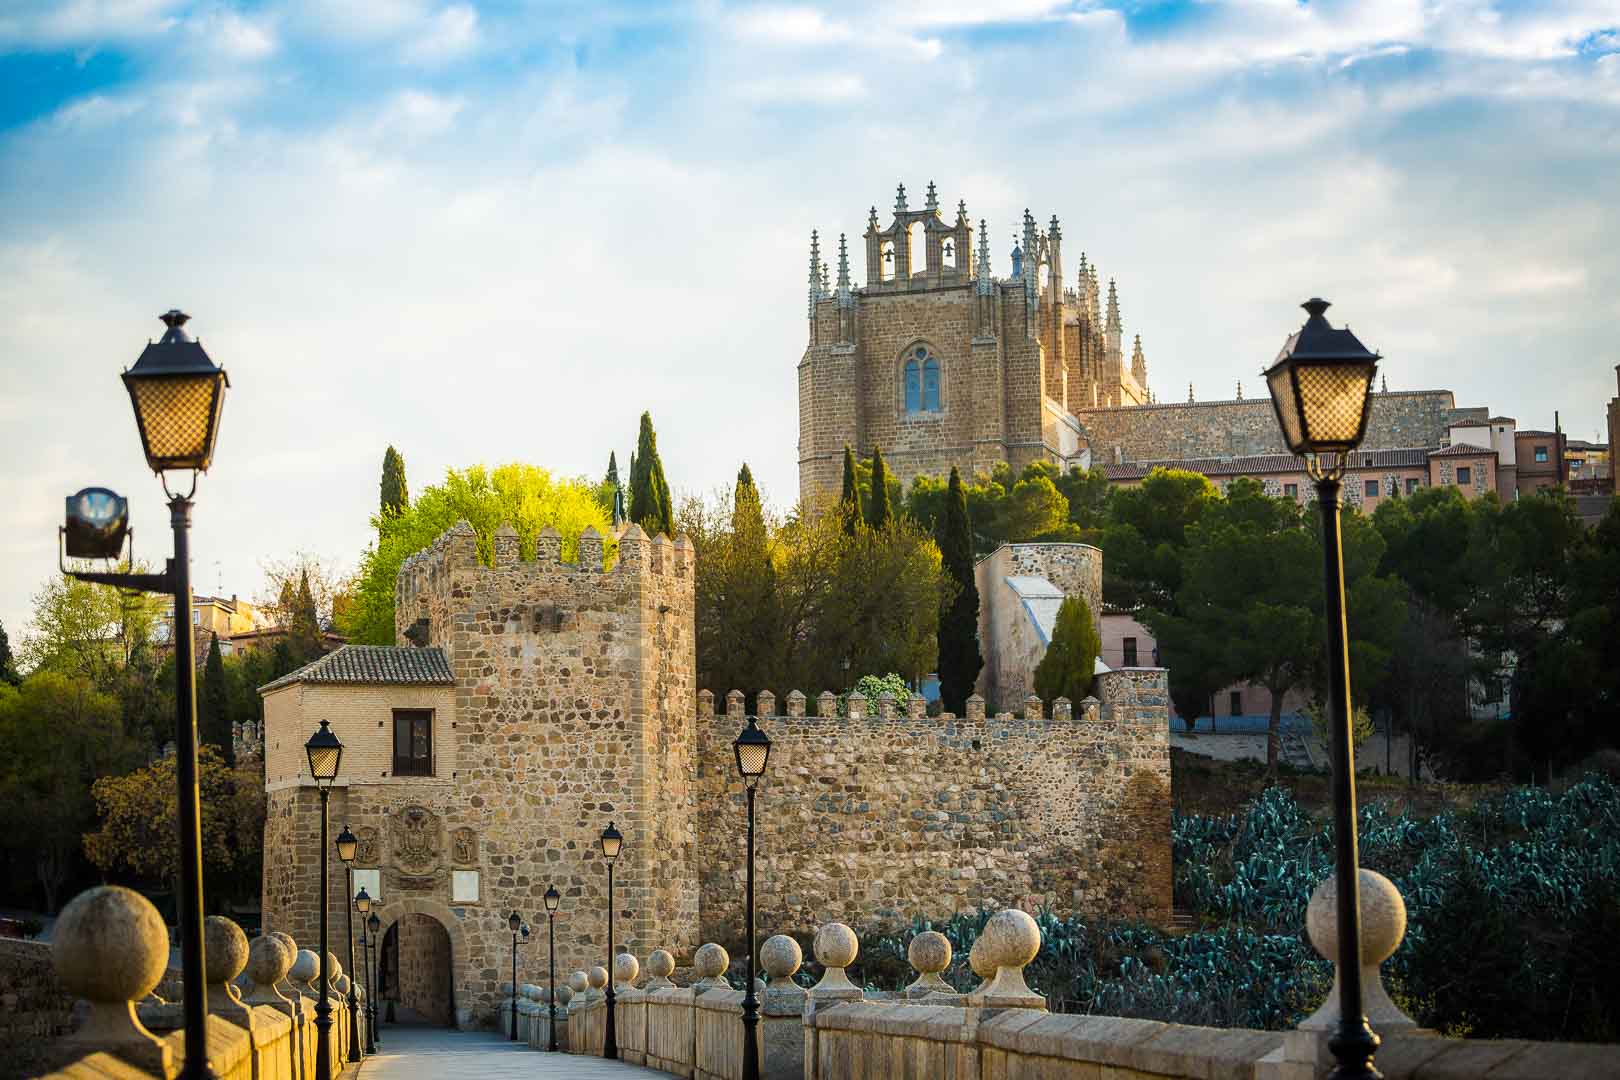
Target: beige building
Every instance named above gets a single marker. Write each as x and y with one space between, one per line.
1021 587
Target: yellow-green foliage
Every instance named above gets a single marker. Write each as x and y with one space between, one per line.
526 496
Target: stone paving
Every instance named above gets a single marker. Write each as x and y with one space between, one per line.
431 1053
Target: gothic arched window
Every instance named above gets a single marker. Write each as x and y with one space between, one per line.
921 373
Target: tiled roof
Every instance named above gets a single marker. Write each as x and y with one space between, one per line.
1462 450
1536 432
1470 423
1503 420
373 664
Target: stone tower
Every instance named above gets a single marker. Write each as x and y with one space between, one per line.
940 363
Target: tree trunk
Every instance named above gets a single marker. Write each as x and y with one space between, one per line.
1274 732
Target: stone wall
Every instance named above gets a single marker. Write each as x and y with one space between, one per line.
34 1006
892 817
1206 429
424 968
1013 644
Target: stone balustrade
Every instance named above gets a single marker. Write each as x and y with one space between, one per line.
110 949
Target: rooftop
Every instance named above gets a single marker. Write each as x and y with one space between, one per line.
1411 457
372 665
1463 450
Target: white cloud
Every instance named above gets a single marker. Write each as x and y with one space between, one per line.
830 88
447 35
59 23
416 114
791 25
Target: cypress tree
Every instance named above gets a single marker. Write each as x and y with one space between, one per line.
881 515
650 504
8 663
305 627
612 477
213 714
959 656
394 495
1070 662
849 503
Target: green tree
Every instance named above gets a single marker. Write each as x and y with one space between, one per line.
527 496
1070 663
1033 510
739 622
650 504
57 734
959 658
393 495
8 664
880 514
88 631
1086 491
849 503
213 706
1146 535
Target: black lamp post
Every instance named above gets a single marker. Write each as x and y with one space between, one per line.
515 922
178 395
753 751
1321 385
374 924
347 845
362 904
612 843
553 902
325 754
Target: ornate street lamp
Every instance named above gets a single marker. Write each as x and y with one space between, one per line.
325 754
374 924
178 395
347 845
753 752
612 843
515 922
553 902
1321 384
362 904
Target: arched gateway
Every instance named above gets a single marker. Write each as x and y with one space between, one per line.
421 947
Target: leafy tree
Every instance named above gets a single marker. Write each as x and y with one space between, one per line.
650 504
1144 541
739 622
959 658
57 734
1033 510
849 503
1070 663
138 834
527 496
8 665
284 583
213 713
393 495
872 687
879 513
1086 491
88 631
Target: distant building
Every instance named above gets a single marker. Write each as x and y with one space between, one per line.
213 617
1541 460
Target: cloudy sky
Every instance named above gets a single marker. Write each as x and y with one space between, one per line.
491 230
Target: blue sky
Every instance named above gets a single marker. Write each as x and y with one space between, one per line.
498 231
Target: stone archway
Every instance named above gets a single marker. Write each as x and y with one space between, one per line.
426 944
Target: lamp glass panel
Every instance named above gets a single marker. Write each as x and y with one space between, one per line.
362 901
514 922
553 899
751 757
177 418
611 845
1282 393
323 762
347 844
1333 398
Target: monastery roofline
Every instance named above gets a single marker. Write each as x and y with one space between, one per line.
1034 544
1249 401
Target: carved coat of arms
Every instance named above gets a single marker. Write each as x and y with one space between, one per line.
464 847
416 840
367 853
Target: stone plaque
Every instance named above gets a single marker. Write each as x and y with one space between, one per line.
464 847
368 850
416 840
464 886
371 881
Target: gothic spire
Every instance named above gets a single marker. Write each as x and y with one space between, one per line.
982 271
900 200
932 203
961 212
1240 389
826 287
1113 306
871 221
843 264
815 271
1189 394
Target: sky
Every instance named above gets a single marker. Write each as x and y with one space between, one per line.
497 231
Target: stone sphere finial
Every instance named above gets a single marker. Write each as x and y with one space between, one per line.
711 961
333 968
1009 941
579 982
306 968
565 994
110 945
1383 918
979 960
660 965
625 969
532 992
836 945
780 956
929 952
341 985
597 977
268 960
225 947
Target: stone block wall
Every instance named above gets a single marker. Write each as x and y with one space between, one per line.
1205 429
34 1006
889 817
